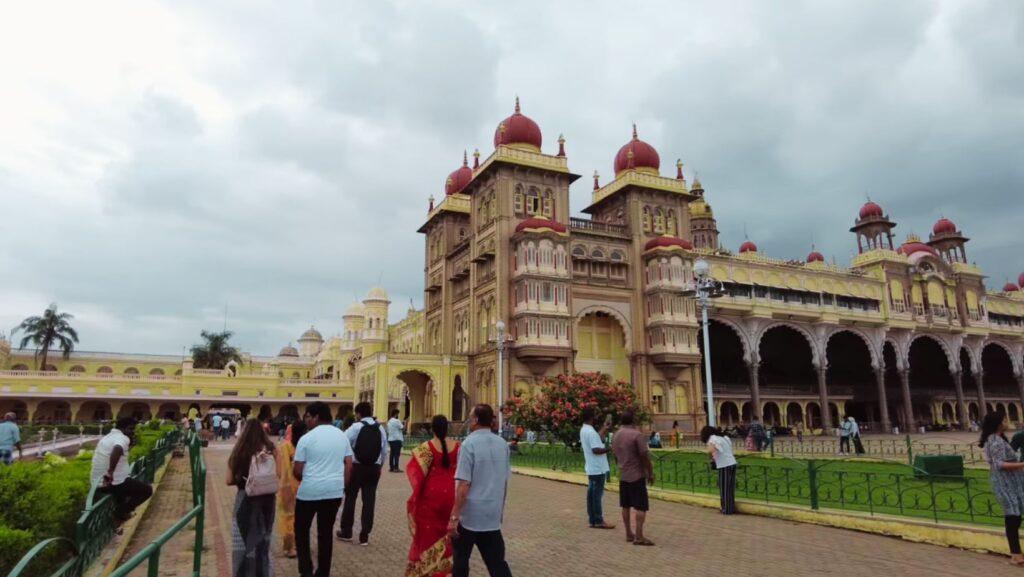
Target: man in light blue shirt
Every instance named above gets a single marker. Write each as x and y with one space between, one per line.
323 465
396 436
215 421
595 455
10 437
481 484
369 447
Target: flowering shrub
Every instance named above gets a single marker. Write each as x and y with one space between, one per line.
558 407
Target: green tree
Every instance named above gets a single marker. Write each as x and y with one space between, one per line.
52 328
215 352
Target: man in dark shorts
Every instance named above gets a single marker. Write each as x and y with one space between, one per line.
636 472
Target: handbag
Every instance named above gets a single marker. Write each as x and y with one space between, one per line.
262 478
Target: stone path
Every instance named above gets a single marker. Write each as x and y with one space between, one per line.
546 535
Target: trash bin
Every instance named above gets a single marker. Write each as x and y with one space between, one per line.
951 466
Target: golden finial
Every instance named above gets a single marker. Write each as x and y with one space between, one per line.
476 158
517 104
634 131
465 159
561 145
679 169
596 177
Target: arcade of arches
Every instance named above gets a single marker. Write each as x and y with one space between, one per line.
789 386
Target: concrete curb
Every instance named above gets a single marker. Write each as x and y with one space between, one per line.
946 535
101 569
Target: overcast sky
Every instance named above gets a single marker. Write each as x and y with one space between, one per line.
159 161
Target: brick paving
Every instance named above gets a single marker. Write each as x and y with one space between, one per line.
546 535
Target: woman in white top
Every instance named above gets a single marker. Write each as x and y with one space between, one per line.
720 449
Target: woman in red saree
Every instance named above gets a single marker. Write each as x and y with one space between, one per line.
431 473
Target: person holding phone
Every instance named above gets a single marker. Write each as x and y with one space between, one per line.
595 455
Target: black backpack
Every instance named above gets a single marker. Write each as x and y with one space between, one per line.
368 441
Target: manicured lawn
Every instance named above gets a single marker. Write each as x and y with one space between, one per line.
873 487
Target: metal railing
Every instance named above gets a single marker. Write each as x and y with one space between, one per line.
95 526
831 484
150 554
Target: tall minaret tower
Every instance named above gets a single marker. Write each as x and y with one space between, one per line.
703 226
375 315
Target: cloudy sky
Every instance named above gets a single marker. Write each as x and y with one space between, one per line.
162 161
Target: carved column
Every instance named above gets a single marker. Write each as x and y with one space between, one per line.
908 405
961 403
826 411
883 402
979 381
755 390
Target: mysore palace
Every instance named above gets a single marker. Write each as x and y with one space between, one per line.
905 334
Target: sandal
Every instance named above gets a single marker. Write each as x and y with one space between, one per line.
645 542
630 538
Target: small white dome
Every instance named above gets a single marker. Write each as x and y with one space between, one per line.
377 293
311 335
355 310
288 351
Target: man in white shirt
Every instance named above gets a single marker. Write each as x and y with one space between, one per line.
323 465
110 470
595 454
369 447
396 436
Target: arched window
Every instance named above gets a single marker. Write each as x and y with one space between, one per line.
131 371
77 369
518 199
19 367
156 372
533 201
670 223
105 371
549 204
646 217
659 221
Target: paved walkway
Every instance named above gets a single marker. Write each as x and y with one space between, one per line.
546 535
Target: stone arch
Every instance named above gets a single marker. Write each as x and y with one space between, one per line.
94 411
741 333
998 369
135 409
729 414
627 328
781 362
876 361
414 402
16 406
953 360
815 349
1015 362
850 370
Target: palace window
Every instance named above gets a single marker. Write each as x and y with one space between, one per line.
646 217
548 205
670 223
659 221
533 202
518 199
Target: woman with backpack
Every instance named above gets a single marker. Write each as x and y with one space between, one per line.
252 468
431 472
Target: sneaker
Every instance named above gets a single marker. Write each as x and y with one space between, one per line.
343 537
364 541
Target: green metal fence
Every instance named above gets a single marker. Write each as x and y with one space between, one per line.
150 554
95 526
831 484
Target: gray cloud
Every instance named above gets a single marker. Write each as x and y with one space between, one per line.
279 161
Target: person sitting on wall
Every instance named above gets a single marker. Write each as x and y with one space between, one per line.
110 470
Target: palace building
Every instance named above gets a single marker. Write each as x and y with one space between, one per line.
906 333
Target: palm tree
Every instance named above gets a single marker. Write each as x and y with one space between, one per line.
43 332
215 353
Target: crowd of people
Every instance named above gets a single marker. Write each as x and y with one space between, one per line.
457 501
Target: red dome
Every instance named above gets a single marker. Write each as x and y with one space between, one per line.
538 223
1020 279
943 225
517 129
870 209
910 247
815 256
748 246
459 178
644 155
1010 287
667 241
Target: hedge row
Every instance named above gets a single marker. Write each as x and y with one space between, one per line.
43 499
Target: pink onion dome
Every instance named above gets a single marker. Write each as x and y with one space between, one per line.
667 241
459 178
637 154
943 225
1010 287
815 256
518 129
748 246
1020 279
540 224
870 209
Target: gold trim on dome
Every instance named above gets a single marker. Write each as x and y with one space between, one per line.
526 155
640 178
452 203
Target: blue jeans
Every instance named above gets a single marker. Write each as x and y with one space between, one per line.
595 494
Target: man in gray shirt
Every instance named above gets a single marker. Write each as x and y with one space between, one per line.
481 483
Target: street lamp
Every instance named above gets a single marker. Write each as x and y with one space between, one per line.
501 342
705 289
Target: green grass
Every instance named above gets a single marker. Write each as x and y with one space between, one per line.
872 487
